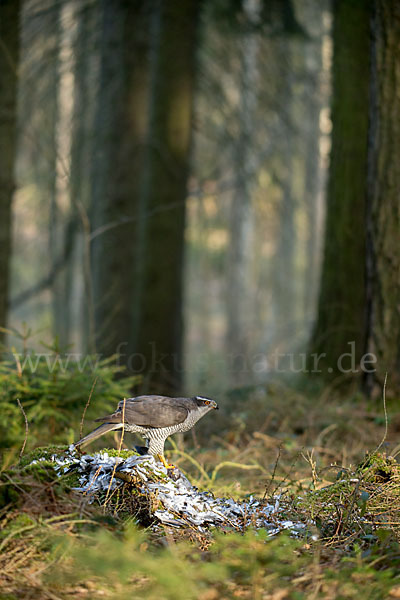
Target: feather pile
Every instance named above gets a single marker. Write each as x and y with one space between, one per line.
179 504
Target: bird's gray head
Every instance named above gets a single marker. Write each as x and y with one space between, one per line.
205 403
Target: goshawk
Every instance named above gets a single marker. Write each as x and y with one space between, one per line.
155 418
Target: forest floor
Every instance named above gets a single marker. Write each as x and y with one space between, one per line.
332 461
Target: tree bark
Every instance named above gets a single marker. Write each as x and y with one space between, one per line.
9 58
341 315
52 23
86 73
240 305
159 327
383 248
313 173
284 301
121 127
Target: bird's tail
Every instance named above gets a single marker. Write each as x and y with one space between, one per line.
93 435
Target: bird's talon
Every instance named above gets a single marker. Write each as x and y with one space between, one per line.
164 462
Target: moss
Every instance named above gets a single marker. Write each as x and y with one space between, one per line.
69 480
35 468
21 521
41 471
123 453
43 452
18 526
9 494
378 468
323 503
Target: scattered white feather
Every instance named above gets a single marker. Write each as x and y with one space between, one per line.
181 504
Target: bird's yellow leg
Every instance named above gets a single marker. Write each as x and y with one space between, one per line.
161 457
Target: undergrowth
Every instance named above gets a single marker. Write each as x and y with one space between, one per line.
53 387
311 452
54 544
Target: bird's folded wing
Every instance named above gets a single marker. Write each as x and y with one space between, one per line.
150 411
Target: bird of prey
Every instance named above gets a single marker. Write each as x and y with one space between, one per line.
155 418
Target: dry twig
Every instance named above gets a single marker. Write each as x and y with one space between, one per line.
26 428
86 407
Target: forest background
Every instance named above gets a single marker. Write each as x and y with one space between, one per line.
203 197
171 173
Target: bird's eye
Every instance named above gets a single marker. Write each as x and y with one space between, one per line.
206 402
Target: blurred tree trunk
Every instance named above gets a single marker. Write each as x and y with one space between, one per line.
86 70
313 174
240 306
284 282
341 309
383 208
9 57
284 289
159 327
51 23
121 127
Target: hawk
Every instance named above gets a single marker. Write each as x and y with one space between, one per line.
155 418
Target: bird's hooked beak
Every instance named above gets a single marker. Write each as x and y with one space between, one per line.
204 401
